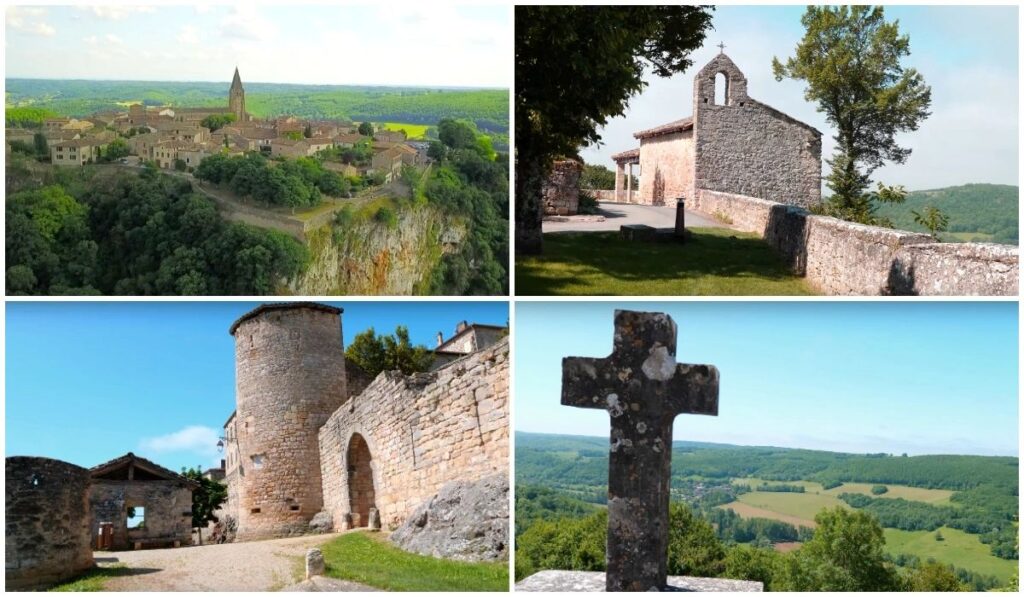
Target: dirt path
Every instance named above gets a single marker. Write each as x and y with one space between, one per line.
251 566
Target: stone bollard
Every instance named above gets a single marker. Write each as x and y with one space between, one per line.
681 220
374 520
314 563
347 523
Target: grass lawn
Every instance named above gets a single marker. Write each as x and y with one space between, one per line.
412 131
958 548
715 261
368 558
93 580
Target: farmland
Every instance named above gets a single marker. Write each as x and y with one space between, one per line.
956 547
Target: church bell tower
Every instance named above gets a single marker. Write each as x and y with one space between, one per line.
236 98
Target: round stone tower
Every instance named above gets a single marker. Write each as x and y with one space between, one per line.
290 377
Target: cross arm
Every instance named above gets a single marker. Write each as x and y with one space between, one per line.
693 390
582 385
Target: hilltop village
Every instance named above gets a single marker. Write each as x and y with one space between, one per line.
179 138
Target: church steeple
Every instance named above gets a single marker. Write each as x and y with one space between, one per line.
236 98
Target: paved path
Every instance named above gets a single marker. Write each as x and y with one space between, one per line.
249 566
618 214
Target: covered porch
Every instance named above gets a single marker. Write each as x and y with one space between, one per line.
624 163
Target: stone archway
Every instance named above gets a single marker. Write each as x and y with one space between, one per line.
360 481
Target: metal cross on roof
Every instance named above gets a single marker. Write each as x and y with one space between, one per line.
721 48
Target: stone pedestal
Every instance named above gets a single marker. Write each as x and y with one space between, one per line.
556 581
314 563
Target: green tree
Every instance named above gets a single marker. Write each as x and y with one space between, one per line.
934 577
42 149
753 563
693 547
850 59
308 131
932 219
366 129
116 150
456 134
206 499
375 354
217 121
576 67
846 553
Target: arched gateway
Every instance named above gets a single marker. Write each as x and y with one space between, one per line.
360 481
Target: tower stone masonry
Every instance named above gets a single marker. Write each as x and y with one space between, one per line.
290 377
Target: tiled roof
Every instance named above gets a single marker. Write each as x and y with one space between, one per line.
631 154
149 465
676 126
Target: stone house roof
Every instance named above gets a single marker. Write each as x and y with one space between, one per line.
676 126
627 156
129 463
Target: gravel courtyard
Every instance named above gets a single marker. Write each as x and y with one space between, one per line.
251 566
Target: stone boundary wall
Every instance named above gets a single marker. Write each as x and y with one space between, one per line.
844 258
560 194
423 431
46 506
602 194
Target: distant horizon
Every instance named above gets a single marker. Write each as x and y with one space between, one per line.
227 81
712 443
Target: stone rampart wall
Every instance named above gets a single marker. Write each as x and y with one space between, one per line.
844 258
46 505
167 514
422 431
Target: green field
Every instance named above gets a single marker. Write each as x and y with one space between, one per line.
938 497
958 548
412 131
798 505
715 261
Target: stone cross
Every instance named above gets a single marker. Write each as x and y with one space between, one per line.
643 389
721 47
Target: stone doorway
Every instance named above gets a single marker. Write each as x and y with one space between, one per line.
360 481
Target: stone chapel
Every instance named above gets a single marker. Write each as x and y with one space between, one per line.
737 145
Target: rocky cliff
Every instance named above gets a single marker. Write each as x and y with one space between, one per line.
367 256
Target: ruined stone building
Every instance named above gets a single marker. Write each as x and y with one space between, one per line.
310 433
159 496
732 145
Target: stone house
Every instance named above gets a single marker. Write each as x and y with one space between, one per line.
142 145
468 338
348 139
75 152
160 497
388 162
733 145
341 168
390 136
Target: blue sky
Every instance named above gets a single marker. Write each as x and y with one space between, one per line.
391 43
89 381
916 377
968 54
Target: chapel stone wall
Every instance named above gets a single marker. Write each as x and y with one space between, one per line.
666 169
745 147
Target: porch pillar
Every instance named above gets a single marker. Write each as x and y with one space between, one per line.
629 184
618 181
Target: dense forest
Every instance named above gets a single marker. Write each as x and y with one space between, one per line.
982 212
87 231
33 99
564 477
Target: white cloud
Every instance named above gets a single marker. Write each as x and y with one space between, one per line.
28 19
188 35
116 12
111 38
92 40
245 22
202 9
196 439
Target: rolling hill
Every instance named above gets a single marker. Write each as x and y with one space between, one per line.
977 212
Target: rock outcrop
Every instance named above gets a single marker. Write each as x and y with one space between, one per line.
464 521
371 257
322 522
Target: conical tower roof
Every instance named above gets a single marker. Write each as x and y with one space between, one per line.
236 82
